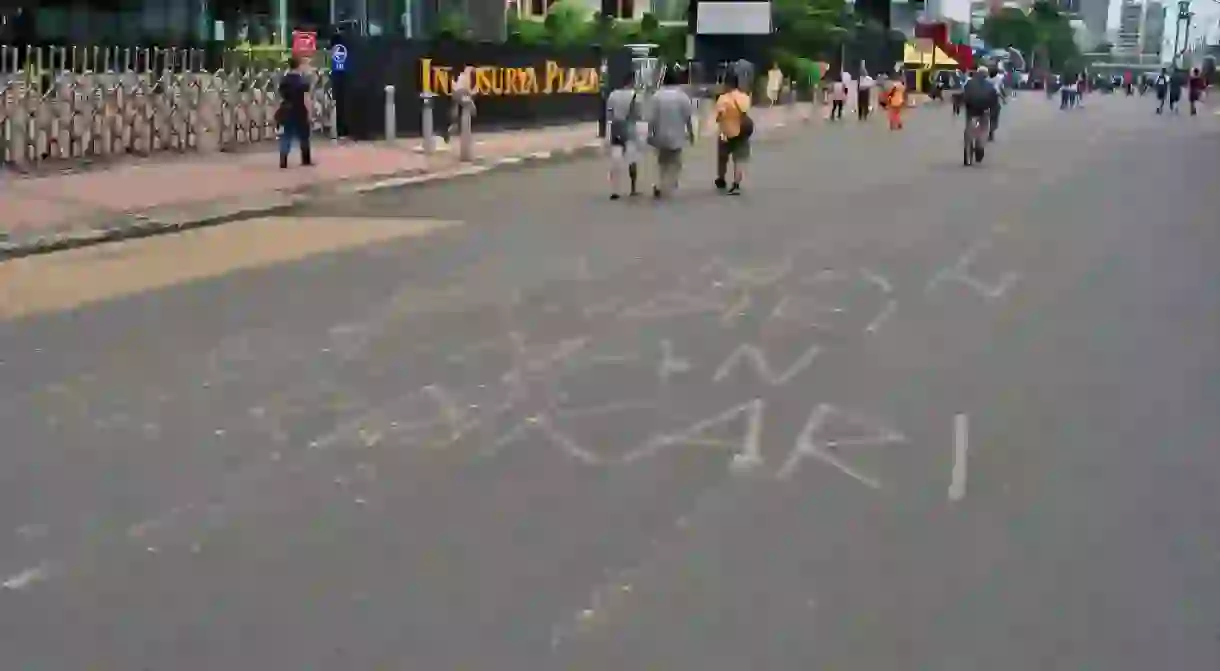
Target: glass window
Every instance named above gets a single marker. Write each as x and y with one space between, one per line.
152 21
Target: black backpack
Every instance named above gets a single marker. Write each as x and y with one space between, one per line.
977 95
747 124
620 129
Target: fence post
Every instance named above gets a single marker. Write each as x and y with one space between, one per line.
427 129
334 115
391 131
466 141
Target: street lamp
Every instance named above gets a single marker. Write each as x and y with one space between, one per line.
1184 16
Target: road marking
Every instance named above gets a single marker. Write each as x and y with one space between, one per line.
74 278
396 182
957 485
26 578
757 359
885 313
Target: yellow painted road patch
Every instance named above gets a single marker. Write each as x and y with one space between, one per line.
73 278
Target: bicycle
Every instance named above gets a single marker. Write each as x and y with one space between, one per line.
972 140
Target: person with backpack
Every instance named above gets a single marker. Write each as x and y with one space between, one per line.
623 114
980 97
1175 91
736 127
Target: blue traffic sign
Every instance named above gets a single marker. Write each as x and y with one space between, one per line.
338 58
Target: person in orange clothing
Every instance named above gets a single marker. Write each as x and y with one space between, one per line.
896 102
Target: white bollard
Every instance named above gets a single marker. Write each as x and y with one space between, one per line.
466 141
427 129
391 131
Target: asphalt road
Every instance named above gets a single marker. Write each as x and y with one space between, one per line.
881 412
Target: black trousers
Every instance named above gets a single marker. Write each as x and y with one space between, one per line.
862 99
836 109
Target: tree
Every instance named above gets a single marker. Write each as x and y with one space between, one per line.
1044 32
1104 47
808 31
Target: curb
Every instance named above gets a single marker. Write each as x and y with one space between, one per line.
138 226
478 167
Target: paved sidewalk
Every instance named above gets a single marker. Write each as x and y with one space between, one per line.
67 210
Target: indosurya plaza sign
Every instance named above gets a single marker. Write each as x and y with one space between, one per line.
552 78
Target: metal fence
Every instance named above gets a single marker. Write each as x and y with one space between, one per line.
66 104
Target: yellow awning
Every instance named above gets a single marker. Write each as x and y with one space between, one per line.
912 55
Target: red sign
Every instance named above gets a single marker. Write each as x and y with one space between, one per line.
304 43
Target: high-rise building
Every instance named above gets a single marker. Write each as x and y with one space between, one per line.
1154 26
1069 6
1130 28
1095 13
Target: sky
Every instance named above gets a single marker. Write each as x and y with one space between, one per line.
1204 23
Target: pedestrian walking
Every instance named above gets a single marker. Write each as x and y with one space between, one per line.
1162 90
623 114
999 83
895 103
1175 91
864 95
461 96
671 127
736 127
1196 85
292 116
838 99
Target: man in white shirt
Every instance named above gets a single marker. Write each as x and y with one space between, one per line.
838 98
998 82
864 95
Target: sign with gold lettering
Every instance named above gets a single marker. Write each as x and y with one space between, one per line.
552 78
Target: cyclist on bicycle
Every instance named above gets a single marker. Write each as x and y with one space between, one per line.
980 99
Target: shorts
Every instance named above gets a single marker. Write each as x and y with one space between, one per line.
628 153
736 148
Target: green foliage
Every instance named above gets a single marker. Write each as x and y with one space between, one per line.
569 25
1044 33
810 29
453 26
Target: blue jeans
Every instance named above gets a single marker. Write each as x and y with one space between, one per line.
295 129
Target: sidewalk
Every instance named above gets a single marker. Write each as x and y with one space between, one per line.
159 195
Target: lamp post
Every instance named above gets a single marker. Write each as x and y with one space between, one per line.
1184 15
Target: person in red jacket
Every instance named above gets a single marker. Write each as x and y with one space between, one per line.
1196 90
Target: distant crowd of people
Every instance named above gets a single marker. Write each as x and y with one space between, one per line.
891 96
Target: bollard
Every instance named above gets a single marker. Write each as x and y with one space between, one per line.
426 127
334 120
466 142
390 110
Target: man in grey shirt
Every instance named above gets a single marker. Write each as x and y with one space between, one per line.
623 112
670 128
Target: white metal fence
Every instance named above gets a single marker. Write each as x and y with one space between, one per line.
67 104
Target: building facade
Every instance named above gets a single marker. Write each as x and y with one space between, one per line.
1154 27
1128 40
253 22
1095 14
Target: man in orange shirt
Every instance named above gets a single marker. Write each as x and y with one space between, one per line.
736 126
